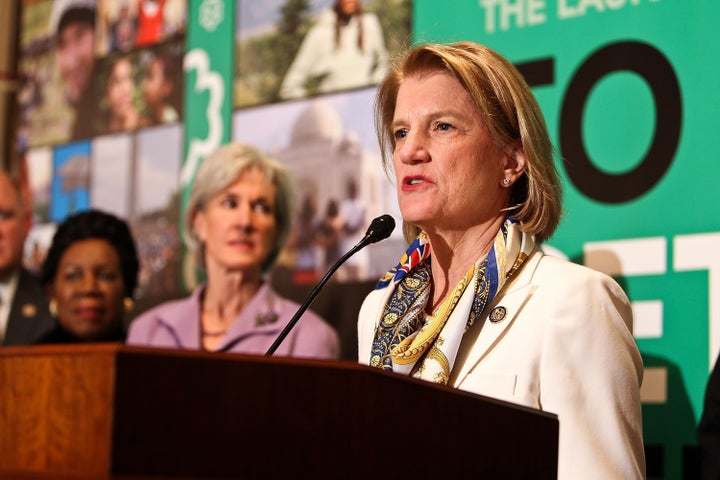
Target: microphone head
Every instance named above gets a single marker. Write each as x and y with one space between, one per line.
380 228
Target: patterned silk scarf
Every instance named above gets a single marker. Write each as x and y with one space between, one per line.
409 341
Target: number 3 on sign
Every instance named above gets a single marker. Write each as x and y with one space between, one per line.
205 79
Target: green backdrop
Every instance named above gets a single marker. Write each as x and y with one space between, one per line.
629 91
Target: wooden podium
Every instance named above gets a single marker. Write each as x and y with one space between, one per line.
120 412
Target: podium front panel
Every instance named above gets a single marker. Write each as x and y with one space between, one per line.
113 411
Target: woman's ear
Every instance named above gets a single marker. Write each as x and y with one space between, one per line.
199 226
514 167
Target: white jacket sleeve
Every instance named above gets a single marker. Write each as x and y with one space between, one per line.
591 371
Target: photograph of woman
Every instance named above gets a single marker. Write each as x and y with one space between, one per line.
121 112
344 49
158 88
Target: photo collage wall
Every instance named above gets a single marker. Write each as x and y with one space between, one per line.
101 121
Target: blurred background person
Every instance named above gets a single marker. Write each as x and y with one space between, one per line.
351 216
344 49
301 242
122 29
236 223
474 302
150 19
708 430
327 235
90 275
121 114
158 87
24 315
72 27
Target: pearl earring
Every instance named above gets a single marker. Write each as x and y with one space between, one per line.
506 181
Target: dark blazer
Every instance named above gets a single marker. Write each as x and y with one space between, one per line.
29 318
708 431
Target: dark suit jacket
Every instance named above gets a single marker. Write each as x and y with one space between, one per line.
29 318
708 432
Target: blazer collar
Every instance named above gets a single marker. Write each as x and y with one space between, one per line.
182 319
480 339
259 316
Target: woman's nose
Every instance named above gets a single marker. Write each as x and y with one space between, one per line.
243 216
412 149
89 282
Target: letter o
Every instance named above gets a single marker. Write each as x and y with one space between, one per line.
650 64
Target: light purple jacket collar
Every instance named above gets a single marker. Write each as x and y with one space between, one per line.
259 317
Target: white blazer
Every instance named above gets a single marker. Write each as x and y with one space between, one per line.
564 346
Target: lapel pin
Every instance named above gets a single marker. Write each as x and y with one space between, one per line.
497 314
28 310
265 319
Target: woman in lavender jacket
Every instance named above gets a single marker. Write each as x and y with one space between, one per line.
237 220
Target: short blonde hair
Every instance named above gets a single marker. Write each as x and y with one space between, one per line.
222 168
510 112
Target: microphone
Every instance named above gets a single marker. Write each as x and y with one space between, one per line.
379 229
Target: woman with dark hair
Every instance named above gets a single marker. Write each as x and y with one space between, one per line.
90 273
158 88
121 114
344 49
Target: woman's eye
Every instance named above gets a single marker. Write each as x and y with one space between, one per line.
261 207
6 214
109 275
71 275
400 133
229 203
444 127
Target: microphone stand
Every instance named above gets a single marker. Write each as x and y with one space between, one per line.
362 243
